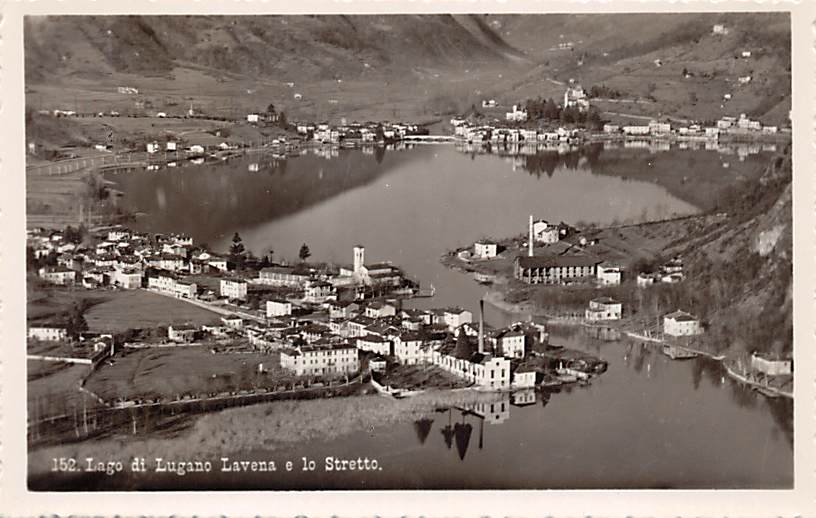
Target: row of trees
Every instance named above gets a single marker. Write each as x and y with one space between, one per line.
239 255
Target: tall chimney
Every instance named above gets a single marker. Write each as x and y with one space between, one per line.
530 238
481 325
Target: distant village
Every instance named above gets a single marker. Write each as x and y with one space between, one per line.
519 128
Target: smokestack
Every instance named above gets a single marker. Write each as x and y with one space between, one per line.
481 325
530 238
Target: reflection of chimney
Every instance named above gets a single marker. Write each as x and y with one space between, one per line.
530 238
481 325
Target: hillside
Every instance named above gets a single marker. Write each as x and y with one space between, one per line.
740 270
407 66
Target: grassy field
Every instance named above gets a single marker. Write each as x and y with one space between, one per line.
152 373
52 388
124 310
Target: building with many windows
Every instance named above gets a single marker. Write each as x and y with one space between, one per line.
558 269
320 359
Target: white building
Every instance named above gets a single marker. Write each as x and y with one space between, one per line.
770 365
252 117
278 308
645 279
511 343
47 332
152 147
455 317
58 275
374 343
483 369
409 349
233 289
608 275
485 249
517 115
127 278
181 333
545 233
380 310
636 130
319 291
320 359
604 308
575 97
681 323
659 128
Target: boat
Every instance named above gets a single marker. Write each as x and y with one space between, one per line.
676 352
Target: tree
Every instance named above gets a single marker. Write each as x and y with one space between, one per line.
304 253
237 251
270 109
237 247
282 121
76 323
463 349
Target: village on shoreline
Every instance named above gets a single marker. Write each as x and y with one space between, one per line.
235 327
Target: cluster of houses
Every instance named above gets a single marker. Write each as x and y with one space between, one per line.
370 132
726 125
315 332
486 133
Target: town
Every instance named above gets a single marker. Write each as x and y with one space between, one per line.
318 321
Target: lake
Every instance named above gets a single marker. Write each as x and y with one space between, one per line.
646 422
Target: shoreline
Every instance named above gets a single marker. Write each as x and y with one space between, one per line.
496 299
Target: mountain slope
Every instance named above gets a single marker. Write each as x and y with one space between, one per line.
740 270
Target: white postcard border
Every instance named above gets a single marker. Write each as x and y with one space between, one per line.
16 500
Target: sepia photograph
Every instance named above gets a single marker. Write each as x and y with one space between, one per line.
443 251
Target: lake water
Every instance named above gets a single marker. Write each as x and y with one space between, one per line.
647 422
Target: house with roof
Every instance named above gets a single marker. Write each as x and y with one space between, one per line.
341 309
233 289
278 308
604 308
59 275
485 249
479 368
408 348
181 333
608 275
127 278
320 359
544 232
454 317
375 343
283 276
576 97
48 332
380 309
510 343
233 321
319 291
771 365
524 376
680 323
